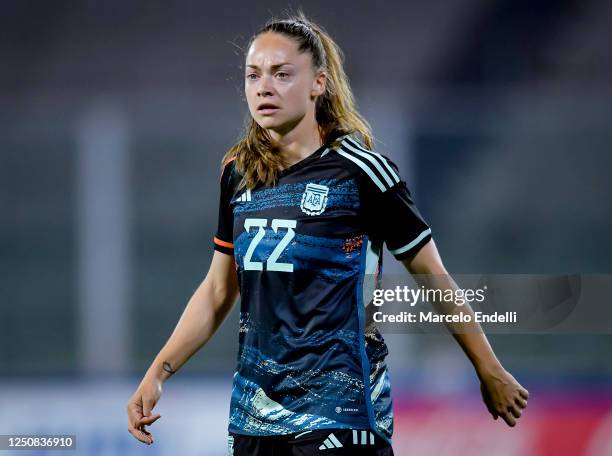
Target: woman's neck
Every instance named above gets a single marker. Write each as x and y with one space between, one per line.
297 145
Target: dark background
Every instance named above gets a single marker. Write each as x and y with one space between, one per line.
113 120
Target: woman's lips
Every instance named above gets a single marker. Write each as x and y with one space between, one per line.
266 111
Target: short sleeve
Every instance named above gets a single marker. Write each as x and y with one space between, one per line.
224 237
390 211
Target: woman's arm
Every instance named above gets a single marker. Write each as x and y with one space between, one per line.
502 394
203 315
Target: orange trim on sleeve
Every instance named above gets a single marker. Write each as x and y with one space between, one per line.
223 243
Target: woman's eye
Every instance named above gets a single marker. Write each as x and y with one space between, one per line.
282 75
251 74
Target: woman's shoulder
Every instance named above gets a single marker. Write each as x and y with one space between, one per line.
372 167
229 173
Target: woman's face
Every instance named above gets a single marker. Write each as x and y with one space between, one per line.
277 74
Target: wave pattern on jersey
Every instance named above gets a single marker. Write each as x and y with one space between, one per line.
380 386
343 193
322 392
380 392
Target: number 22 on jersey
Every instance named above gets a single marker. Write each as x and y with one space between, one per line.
271 263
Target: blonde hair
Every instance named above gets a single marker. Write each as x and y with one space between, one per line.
257 155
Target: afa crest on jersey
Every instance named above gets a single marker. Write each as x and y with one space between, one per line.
314 199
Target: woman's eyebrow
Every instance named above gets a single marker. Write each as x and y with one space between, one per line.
272 67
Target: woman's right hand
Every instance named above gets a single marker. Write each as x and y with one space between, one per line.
139 409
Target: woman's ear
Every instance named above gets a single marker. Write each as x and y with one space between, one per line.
318 85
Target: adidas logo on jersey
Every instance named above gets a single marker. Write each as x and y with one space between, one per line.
230 445
246 196
331 442
364 437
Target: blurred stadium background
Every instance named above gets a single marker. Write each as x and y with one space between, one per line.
113 120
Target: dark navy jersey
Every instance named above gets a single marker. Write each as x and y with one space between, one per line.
305 251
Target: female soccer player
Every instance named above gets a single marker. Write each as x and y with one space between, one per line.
305 208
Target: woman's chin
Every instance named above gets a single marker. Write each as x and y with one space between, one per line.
281 127
275 126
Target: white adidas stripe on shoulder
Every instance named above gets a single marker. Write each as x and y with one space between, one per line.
372 163
372 160
383 160
365 167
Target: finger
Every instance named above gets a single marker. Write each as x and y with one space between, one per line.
515 411
523 392
508 418
491 411
140 435
521 402
148 420
147 433
134 412
133 421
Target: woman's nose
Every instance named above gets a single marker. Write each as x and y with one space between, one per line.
265 86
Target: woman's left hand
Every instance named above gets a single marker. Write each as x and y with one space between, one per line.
503 395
